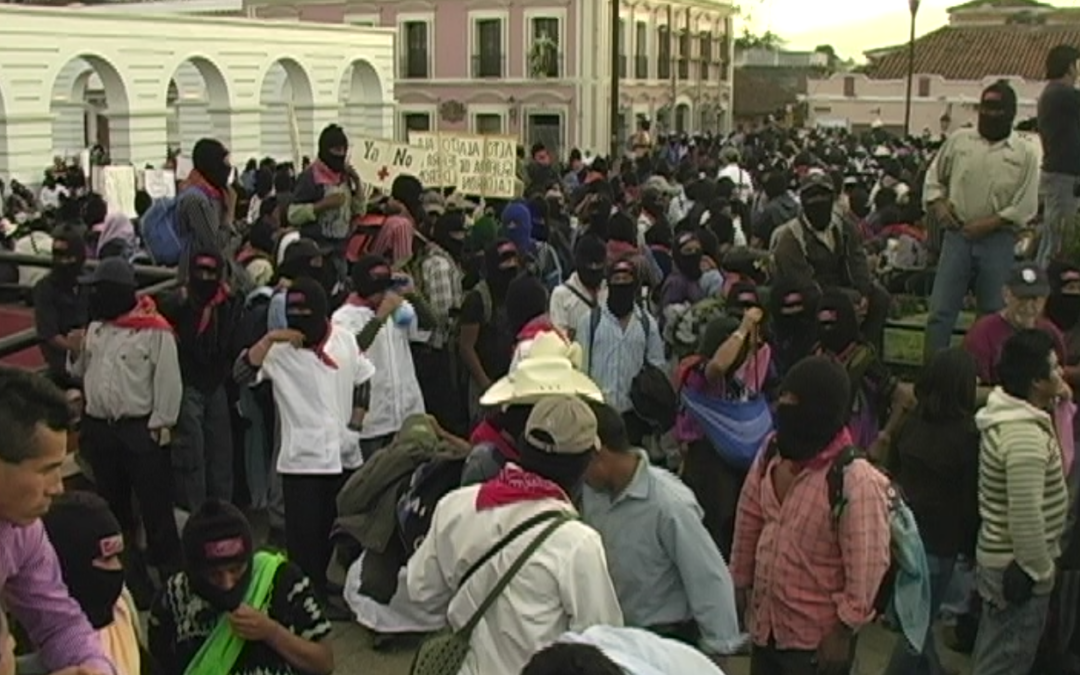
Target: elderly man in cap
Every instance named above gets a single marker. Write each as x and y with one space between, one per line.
820 248
981 187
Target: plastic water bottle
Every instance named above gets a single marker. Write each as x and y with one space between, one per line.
404 315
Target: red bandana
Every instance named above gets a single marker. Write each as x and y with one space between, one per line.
220 296
486 432
320 350
143 317
198 181
514 485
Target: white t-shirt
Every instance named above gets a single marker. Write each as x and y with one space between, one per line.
395 391
314 402
639 652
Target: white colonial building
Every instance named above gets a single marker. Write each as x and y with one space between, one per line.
142 82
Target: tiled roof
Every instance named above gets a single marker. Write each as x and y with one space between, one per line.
1000 4
758 94
975 52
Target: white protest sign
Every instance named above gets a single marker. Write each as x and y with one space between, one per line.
475 164
159 183
436 172
118 189
380 161
183 167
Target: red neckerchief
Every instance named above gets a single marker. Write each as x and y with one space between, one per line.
143 317
826 457
320 350
220 296
541 324
198 181
324 175
618 249
356 301
486 432
515 485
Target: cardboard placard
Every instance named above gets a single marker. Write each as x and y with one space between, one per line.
118 188
484 166
436 173
379 161
159 183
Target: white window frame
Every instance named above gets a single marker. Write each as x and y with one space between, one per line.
431 110
362 20
561 110
415 17
477 15
557 13
478 109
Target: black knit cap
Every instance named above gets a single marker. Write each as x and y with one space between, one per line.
217 534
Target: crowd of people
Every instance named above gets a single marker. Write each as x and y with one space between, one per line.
637 421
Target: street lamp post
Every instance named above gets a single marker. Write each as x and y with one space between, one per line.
913 5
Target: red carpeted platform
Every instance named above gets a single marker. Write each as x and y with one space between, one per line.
15 318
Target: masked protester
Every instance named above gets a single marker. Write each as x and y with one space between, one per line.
264 600
838 327
386 317
794 328
206 203
486 339
60 305
683 285
206 316
811 436
1063 304
326 198
121 436
89 546
978 236
585 289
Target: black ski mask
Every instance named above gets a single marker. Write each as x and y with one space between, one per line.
624 288
449 233
211 159
206 276
838 325
83 530
590 254
333 148
997 112
372 276
501 266
742 296
109 300
217 535
818 202
814 406
687 257
307 311
68 254
1063 304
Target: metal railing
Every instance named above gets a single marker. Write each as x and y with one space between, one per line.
164 278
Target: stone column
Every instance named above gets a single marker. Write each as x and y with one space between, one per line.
27 146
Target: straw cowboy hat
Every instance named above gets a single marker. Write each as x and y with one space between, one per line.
547 370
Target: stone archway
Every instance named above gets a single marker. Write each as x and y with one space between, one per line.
287 117
90 107
363 108
198 103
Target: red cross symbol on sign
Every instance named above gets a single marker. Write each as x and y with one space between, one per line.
383 173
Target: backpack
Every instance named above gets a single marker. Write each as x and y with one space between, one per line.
908 568
159 228
366 229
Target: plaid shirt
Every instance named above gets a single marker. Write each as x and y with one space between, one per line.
807 571
441 279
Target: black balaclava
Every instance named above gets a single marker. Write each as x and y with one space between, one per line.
1061 307
372 276
211 159
623 296
408 190
302 259
838 324
217 534
261 236
499 278
566 471
307 310
688 264
82 529
446 226
333 138
742 296
203 286
997 112
590 255
69 255
526 299
109 300
817 206
822 392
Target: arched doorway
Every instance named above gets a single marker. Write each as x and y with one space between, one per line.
286 101
363 112
198 105
89 107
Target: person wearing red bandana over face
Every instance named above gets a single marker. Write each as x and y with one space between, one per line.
565 584
234 610
316 370
133 388
205 315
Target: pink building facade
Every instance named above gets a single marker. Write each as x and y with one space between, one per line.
541 70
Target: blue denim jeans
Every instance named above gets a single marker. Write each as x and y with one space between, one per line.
1060 203
982 265
905 660
1009 635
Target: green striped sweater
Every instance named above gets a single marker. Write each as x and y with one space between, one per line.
1023 500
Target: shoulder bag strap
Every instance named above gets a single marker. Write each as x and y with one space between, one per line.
561 517
581 296
594 323
645 327
510 536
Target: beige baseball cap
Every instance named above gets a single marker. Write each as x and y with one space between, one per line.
562 425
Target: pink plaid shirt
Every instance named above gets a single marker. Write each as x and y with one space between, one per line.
806 572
